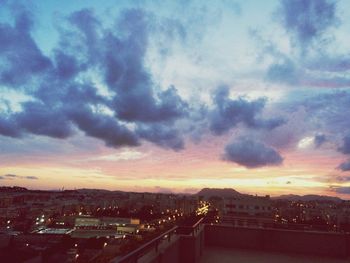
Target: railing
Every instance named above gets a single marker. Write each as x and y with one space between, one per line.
189 230
134 255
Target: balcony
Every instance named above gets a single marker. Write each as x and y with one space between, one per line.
236 255
202 243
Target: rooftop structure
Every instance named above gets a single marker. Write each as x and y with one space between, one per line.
237 255
203 243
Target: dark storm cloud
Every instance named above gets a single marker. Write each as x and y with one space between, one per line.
251 154
162 136
320 139
345 166
345 148
122 62
63 99
8 127
103 127
20 57
67 66
308 20
229 113
136 99
38 118
87 38
139 105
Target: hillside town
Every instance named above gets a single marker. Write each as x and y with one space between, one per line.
98 225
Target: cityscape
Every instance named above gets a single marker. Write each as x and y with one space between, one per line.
90 225
172 131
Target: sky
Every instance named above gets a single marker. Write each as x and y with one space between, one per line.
174 96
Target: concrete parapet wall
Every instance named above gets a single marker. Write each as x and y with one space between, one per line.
315 243
179 249
169 254
191 247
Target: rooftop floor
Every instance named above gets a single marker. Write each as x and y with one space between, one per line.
227 255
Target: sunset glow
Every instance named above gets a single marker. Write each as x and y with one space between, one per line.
175 96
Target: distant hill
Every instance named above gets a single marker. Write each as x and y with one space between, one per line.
220 192
13 189
308 198
87 190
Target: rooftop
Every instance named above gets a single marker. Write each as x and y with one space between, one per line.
211 254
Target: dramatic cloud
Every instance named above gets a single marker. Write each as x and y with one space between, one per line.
345 148
103 127
20 57
308 20
38 118
228 113
345 166
319 140
251 154
162 136
65 96
135 100
8 127
156 74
